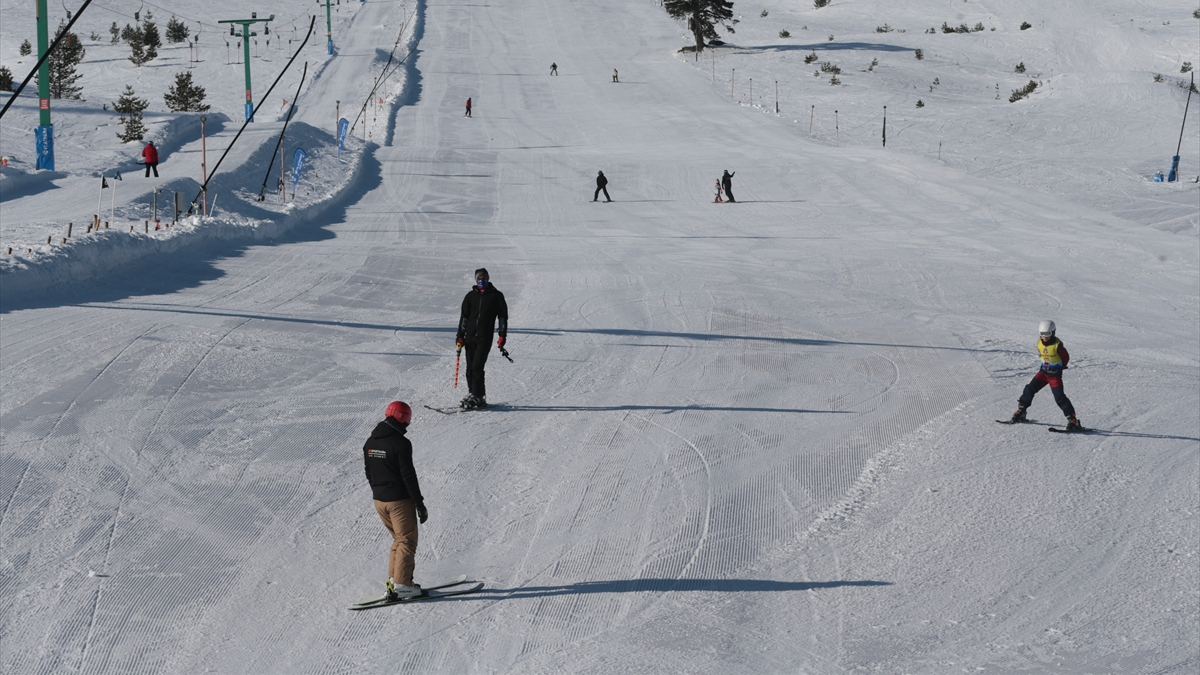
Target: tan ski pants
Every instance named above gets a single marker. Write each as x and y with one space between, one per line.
400 519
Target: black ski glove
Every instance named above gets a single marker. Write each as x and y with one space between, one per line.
422 513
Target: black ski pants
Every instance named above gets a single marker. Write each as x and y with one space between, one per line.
1056 387
151 166
600 188
728 187
477 353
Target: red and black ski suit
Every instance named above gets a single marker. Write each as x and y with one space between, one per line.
1054 360
150 154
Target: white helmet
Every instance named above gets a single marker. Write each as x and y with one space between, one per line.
1046 327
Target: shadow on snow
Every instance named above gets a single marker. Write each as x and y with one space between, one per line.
668 585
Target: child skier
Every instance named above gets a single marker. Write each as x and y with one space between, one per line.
1054 360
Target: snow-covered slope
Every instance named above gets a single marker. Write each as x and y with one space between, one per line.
751 437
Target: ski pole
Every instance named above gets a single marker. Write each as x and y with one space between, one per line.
504 353
457 358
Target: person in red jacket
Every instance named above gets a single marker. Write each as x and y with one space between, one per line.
150 154
468 114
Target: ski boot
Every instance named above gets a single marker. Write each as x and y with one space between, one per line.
480 402
408 592
1073 424
390 594
1019 415
469 402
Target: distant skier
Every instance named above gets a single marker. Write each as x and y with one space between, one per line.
554 69
387 459
1054 360
615 75
150 154
468 113
483 310
727 185
601 184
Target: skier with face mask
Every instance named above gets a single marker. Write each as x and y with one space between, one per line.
483 310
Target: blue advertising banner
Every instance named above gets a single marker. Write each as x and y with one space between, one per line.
298 166
343 127
45 147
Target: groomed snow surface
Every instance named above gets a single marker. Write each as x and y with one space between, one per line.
735 438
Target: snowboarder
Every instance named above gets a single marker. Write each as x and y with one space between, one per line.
1054 360
727 185
387 456
615 75
468 113
601 184
483 310
150 154
554 69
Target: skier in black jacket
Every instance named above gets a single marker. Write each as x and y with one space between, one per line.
727 185
483 311
601 184
387 459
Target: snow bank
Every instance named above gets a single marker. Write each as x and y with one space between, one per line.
234 217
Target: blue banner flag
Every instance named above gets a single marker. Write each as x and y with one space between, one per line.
45 147
343 127
298 166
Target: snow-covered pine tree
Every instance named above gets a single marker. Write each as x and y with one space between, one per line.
130 108
184 95
5 79
702 17
62 62
26 49
116 32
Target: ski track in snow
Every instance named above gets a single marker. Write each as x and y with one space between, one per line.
747 438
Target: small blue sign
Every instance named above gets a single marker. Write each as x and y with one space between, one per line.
298 166
45 147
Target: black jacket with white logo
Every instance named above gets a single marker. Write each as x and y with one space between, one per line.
387 458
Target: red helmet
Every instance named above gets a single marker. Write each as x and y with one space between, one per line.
399 411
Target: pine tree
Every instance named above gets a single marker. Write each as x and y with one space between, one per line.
62 61
184 96
137 44
130 108
5 79
177 31
151 38
26 48
116 33
702 17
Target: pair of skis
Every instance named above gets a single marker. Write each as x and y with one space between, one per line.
430 593
1080 430
455 411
